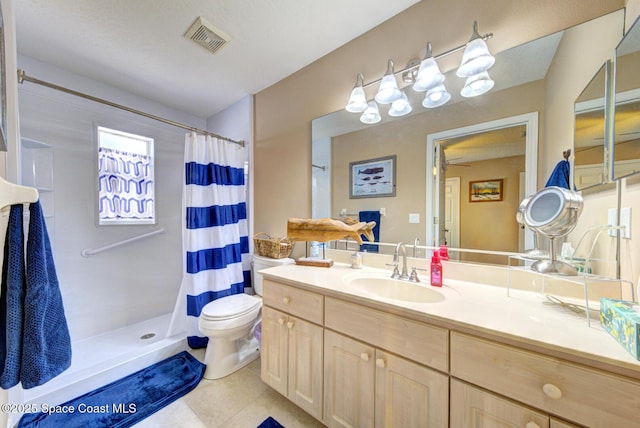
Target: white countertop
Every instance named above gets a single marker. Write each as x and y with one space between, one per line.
522 317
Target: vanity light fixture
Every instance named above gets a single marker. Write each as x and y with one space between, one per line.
425 76
371 115
388 91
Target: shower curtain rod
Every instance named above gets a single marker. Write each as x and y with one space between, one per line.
22 76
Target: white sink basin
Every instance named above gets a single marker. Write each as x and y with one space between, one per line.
388 288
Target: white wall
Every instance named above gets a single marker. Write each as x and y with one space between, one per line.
133 282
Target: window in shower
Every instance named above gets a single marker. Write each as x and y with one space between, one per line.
125 178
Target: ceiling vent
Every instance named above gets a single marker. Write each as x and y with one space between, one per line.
207 36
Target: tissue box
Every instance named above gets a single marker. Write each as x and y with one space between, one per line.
620 319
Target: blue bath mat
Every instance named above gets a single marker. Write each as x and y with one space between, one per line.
126 401
270 423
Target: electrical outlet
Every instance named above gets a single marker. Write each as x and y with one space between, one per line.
414 218
625 221
612 220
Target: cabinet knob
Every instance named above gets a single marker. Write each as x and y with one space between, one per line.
290 324
532 425
380 362
551 391
280 321
364 356
286 300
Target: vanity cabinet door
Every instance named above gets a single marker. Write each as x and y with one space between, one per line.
274 350
474 408
305 365
291 359
410 395
349 375
557 423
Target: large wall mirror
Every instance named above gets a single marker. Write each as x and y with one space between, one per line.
626 147
465 140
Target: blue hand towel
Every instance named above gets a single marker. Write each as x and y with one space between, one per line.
560 175
368 216
12 301
46 344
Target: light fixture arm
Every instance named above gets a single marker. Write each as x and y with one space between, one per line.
441 55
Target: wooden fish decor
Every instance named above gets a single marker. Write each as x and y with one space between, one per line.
328 229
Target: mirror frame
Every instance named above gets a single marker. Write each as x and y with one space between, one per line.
530 120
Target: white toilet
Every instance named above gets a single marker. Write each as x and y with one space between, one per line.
228 322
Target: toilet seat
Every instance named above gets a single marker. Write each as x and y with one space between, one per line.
230 307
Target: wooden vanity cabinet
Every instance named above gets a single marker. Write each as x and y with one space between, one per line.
291 349
366 386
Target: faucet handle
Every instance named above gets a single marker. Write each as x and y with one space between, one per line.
396 272
414 273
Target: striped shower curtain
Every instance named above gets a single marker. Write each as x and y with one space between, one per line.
215 233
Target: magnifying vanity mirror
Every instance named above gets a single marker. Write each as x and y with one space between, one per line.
502 129
626 147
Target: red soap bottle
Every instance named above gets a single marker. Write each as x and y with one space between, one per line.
436 270
444 252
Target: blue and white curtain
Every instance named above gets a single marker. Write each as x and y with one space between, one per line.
215 237
125 185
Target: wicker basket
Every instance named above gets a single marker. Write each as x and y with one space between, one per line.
275 248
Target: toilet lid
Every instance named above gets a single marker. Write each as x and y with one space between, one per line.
230 307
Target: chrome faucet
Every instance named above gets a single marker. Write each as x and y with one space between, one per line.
415 246
396 259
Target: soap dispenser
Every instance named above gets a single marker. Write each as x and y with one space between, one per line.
436 270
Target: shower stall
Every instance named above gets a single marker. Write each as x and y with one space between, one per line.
119 283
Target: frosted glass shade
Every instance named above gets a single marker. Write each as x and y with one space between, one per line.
436 97
429 75
401 106
388 91
477 84
371 114
475 59
357 101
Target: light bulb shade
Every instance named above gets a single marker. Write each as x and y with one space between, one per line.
429 75
475 59
401 106
357 101
477 84
436 97
388 91
371 114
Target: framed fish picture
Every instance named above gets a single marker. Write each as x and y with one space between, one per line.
373 178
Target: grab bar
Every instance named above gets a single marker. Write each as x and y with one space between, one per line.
91 251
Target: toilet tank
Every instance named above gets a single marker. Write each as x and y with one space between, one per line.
260 263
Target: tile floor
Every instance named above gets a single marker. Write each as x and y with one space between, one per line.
240 400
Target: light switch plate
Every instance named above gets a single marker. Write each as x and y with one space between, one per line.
414 218
625 221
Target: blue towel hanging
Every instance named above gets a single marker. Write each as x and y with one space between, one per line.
12 301
36 345
368 216
560 175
